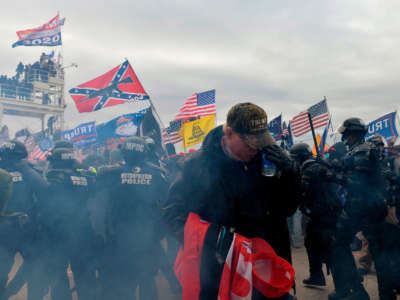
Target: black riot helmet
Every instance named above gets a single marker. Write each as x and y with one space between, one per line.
377 140
354 127
300 152
13 150
63 144
135 150
380 143
62 155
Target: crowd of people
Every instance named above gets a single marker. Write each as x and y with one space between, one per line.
20 86
117 221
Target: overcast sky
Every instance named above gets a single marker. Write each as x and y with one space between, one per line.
283 55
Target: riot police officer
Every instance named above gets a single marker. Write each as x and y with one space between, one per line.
133 235
364 210
68 236
322 206
28 189
8 222
314 211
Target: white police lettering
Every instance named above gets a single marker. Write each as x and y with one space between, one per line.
260 123
135 147
67 156
135 178
78 180
16 176
8 145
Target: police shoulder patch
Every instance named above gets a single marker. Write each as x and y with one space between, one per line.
16 176
136 178
79 180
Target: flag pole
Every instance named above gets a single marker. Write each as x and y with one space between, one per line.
313 135
329 113
152 105
330 120
155 111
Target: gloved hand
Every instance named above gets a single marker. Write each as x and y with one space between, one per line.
55 176
278 156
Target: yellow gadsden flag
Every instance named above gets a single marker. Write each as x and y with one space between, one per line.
194 132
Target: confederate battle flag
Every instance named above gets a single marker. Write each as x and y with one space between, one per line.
118 86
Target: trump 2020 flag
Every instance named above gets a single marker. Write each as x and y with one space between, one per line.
49 34
118 86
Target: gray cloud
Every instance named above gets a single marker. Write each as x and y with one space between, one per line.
282 55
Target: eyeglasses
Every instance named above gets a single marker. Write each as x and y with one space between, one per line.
249 140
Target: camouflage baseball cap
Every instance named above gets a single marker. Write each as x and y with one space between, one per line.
250 121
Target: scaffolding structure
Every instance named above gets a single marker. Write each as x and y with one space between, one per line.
37 92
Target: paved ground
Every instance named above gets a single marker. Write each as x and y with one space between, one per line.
300 265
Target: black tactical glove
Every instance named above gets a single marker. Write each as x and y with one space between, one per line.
56 176
278 156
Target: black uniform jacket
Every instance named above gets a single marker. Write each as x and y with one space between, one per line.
234 194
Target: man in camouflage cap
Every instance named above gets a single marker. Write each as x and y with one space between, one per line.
223 183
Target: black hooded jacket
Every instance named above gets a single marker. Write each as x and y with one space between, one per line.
232 193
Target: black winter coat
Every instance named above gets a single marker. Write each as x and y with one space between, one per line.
234 194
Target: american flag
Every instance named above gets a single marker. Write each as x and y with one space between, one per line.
198 105
319 116
170 134
40 150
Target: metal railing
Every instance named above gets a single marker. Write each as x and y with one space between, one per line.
43 75
24 88
26 92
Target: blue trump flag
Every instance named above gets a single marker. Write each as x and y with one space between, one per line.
384 126
120 127
81 135
275 127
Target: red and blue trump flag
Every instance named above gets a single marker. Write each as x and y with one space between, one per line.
49 34
118 86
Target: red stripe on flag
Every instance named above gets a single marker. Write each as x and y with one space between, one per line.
172 138
190 109
300 124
